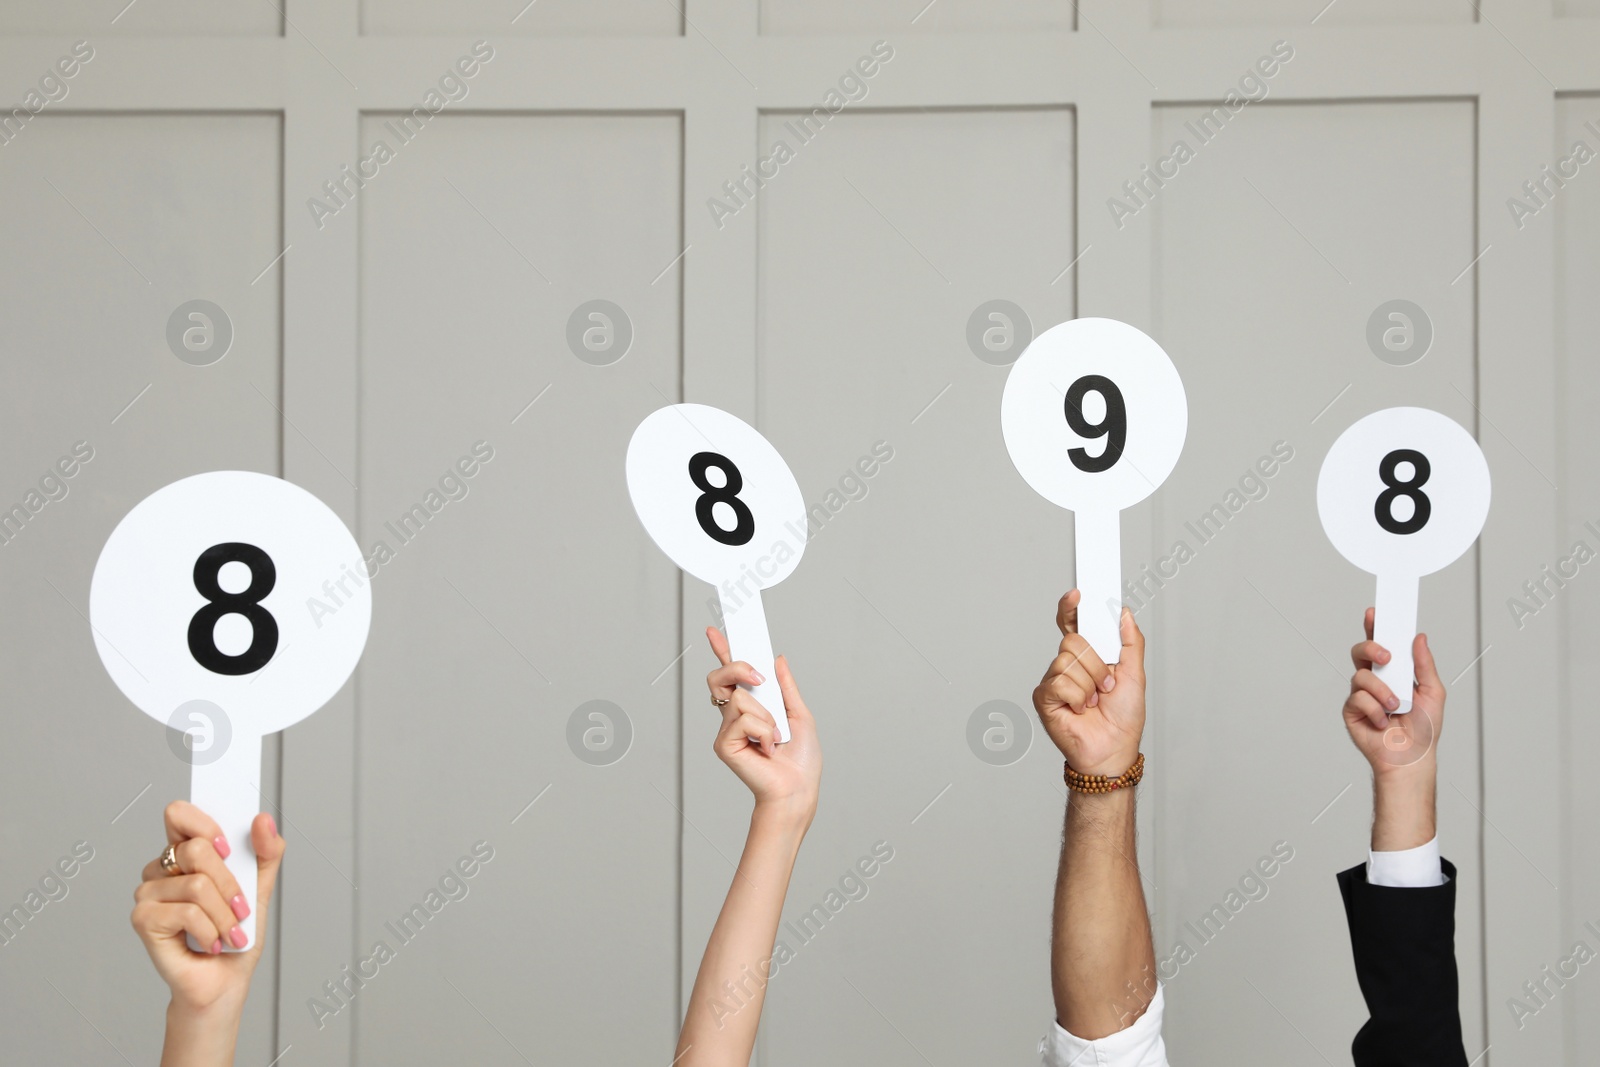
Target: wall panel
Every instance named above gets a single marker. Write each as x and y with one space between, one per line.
94 19
632 18
112 223
1566 596
1301 12
900 16
1274 245
479 241
912 607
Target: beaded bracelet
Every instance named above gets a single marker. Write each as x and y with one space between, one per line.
1105 783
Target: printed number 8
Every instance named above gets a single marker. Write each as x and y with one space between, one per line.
1421 506
744 527
1113 427
263 627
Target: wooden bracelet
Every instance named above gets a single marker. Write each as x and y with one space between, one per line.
1105 783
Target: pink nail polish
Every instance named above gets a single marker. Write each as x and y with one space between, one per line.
222 846
758 677
216 947
236 935
241 910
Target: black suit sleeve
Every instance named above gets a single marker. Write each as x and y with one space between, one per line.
1405 954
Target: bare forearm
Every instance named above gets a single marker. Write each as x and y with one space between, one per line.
1404 806
719 1029
1102 955
201 1037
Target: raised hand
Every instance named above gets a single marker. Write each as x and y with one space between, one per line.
1392 742
1093 713
785 779
785 776
204 902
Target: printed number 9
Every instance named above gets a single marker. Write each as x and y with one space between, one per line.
263 627
744 526
1421 506
1113 427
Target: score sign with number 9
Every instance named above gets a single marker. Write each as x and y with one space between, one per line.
1094 416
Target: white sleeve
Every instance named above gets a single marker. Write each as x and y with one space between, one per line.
1411 868
1140 1045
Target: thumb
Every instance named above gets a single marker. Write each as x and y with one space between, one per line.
1132 659
269 846
1067 612
1422 664
793 705
719 645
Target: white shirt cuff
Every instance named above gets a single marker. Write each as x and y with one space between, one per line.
1140 1045
1411 868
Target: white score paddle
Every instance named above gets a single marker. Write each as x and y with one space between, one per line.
719 500
230 605
1094 416
1402 493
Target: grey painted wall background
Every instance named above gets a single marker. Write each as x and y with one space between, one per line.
379 339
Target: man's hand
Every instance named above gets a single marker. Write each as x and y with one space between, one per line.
1093 713
1392 743
1402 749
1102 960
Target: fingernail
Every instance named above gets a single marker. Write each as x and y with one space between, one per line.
1110 682
1394 702
757 676
236 935
222 846
216 946
1094 699
241 910
272 826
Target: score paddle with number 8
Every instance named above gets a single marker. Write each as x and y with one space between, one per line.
1094 416
722 504
229 606
1402 493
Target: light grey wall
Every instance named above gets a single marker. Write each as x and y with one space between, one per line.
1271 256
380 343
114 222
1568 611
